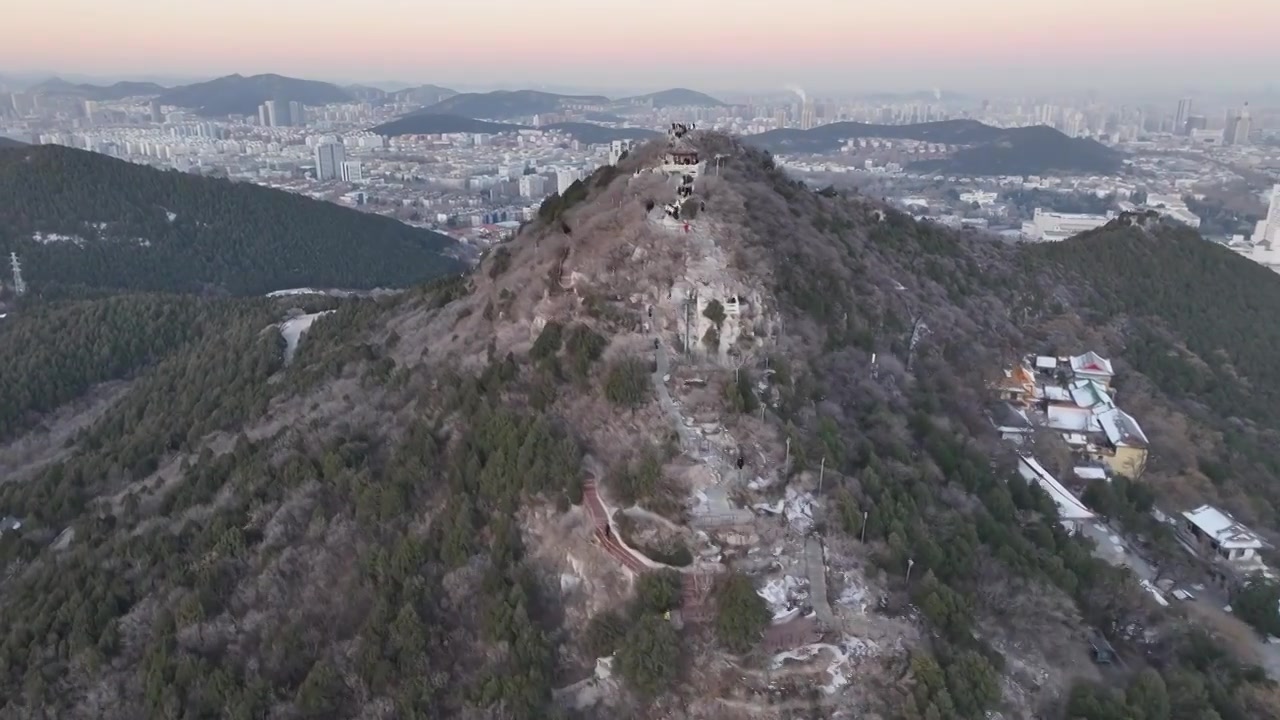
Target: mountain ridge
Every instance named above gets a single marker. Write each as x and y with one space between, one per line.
240 95
990 150
86 220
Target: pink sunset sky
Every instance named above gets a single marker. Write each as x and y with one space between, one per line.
732 44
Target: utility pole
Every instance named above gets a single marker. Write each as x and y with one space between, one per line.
863 537
19 286
822 471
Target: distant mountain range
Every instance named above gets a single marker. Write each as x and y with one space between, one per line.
432 124
85 222
511 104
985 150
240 95
115 91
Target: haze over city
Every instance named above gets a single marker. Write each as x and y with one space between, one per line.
829 45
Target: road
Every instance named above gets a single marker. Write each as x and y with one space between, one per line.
1113 548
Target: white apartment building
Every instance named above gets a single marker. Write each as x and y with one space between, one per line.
1268 228
532 186
565 178
1051 226
352 171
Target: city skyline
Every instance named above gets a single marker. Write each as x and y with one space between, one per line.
826 45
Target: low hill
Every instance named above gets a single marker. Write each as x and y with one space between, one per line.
431 124
985 150
508 104
423 95
593 134
456 500
240 95
8 142
367 93
86 221
115 91
675 97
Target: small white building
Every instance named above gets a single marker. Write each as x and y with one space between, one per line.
1218 533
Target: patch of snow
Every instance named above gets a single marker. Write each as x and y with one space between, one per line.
799 510
292 330
774 509
759 484
295 291
569 582
49 238
781 595
843 655
853 596
171 215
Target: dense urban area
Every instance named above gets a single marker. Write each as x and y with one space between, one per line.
476 166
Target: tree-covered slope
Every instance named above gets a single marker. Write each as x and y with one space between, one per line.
53 354
1198 321
81 220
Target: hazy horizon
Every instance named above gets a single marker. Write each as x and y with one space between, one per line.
738 46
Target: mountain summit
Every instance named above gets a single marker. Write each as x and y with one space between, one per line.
697 442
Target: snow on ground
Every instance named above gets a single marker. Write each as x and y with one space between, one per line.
49 238
799 510
295 291
292 330
854 595
843 655
782 593
171 215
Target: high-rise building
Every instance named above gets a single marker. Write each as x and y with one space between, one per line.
89 107
329 159
297 114
532 186
1238 127
156 115
1180 119
1268 229
262 115
273 113
352 171
565 178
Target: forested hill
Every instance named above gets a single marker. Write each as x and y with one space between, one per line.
406 519
1200 322
85 221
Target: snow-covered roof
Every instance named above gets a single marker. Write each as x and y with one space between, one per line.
1053 393
1090 473
1222 527
1044 362
1091 362
1069 506
1089 394
1068 417
1121 429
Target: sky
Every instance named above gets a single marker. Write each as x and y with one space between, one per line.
738 45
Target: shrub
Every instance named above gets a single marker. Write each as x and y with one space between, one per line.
649 658
742 614
627 383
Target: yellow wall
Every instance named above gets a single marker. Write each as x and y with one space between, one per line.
1127 461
